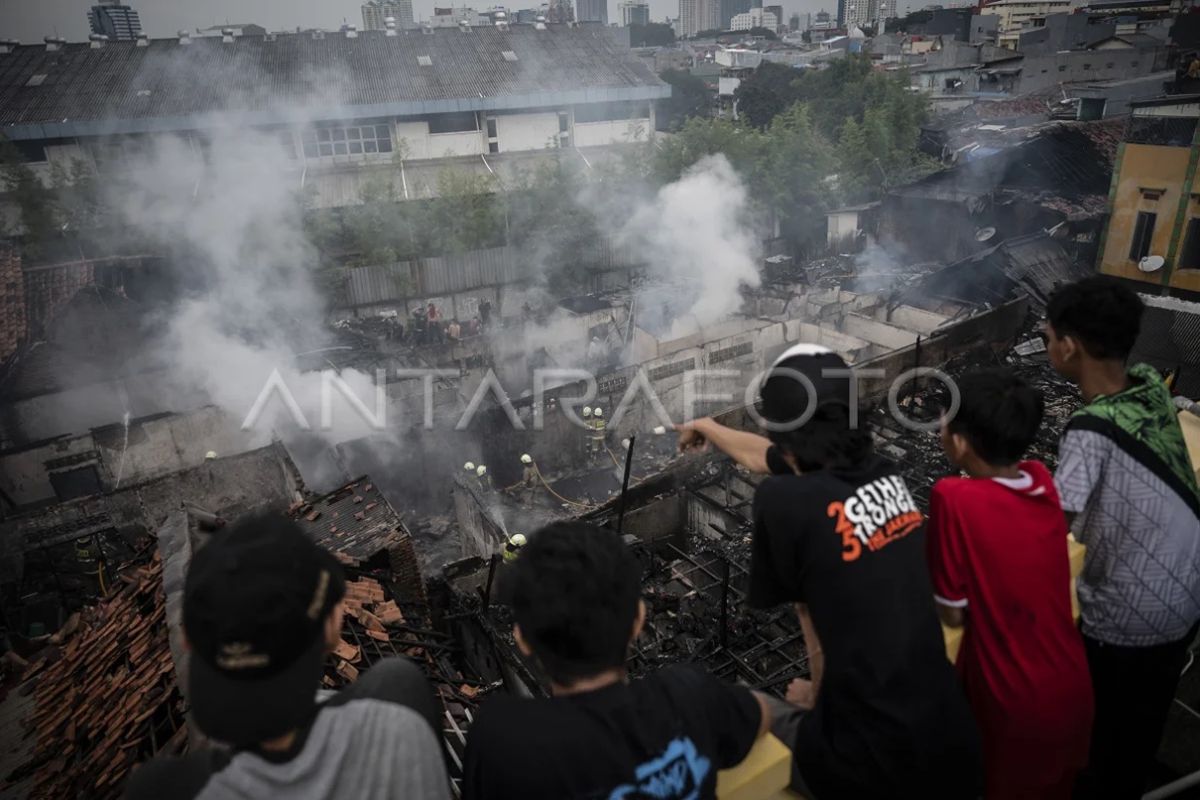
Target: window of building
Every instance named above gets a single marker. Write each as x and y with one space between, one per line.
610 112
31 152
351 140
509 55
1062 67
1133 63
1087 66
1168 131
425 61
564 122
118 151
1109 65
457 122
1143 233
493 146
78 482
1190 257
491 127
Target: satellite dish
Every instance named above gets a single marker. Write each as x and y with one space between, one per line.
1151 263
983 234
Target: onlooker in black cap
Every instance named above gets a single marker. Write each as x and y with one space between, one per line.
837 533
262 606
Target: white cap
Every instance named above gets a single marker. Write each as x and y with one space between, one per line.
517 540
481 470
210 455
587 411
526 458
469 466
598 411
801 349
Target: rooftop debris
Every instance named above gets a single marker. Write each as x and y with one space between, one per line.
108 699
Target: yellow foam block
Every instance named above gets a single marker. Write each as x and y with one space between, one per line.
1075 553
763 774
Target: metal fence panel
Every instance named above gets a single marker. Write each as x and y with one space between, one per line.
1168 341
459 272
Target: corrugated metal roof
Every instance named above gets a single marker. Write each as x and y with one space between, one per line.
166 85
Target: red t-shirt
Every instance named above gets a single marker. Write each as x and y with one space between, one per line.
997 549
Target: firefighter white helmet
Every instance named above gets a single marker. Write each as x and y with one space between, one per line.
517 540
481 470
587 411
526 458
469 466
598 411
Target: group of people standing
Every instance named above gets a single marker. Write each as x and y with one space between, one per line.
1036 706
428 325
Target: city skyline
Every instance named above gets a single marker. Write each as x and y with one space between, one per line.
28 22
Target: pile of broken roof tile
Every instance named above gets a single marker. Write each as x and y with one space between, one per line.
111 700
365 603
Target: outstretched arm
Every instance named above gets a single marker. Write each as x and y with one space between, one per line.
747 449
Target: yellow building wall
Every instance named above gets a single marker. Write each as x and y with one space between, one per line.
1144 166
1188 279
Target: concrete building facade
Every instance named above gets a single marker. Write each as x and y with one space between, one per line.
591 11
445 93
116 21
698 15
375 13
754 18
1016 16
1153 233
634 12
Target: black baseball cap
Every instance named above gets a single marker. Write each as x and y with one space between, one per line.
254 608
785 396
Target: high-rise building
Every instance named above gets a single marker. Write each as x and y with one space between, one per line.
117 22
591 11
729 8
754 18
560 11
375 12
777 11
634 12
699 15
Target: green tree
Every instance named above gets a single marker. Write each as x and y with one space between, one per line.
467 211
690 97
34 200
654 34
768 91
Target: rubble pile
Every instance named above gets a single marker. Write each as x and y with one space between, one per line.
109 698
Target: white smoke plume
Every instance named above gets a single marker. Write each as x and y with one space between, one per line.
697 235
231 211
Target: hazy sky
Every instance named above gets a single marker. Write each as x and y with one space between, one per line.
30 20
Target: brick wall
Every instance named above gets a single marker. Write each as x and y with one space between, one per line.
50 288
14 324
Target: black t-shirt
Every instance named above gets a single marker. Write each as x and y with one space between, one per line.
663 736
890 718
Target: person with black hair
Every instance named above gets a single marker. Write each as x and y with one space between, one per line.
576 599
1129 491
997 547
837 533
262 606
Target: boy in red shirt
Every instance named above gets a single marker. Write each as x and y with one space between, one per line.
998 557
